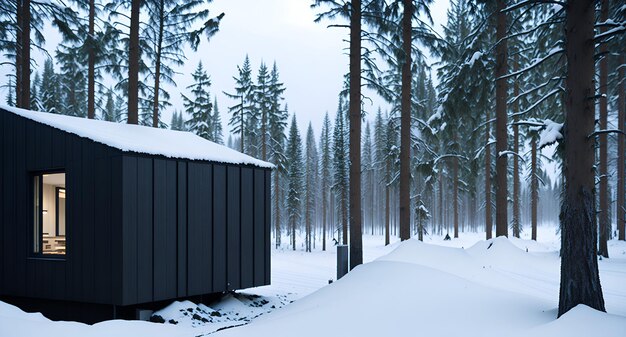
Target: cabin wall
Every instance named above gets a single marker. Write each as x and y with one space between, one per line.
87 272
192 228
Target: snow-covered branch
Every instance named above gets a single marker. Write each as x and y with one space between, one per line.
552 52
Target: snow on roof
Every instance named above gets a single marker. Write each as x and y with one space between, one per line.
142 139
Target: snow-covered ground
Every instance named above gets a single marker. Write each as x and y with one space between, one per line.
461 287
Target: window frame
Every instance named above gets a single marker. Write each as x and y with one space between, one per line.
38 175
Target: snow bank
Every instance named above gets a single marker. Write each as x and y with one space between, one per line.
498 287
581 321
142 139
494 288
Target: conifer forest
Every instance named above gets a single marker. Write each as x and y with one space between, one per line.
507 116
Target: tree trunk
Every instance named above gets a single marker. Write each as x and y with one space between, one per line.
242 123
502 227
157 66
441 222
293 234
405 123
534 189
387 215
277 207
18 52
488 215
455 195
580 281
91 73
603 215
324 202
372 189
621 152
23 54
133 64
516 181
356 239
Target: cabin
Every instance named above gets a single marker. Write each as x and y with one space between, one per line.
99 220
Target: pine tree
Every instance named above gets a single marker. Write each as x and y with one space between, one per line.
310 186
10 99
109 113
49 90
380 165
278 124
262 98
340 170
169 27
325 173
73 81
243 109
367 167
34 95
174 124
294 178
580 280
390 157
603 212
216 123
501 51
199 107
134 56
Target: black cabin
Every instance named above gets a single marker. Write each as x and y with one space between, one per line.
98 219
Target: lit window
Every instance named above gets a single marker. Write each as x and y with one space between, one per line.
49 214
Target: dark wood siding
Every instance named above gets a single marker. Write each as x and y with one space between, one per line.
86 273
259 227
219 228
234 227
181 232
247 228
199 236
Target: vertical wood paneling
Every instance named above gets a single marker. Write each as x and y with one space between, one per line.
170 229
21 192
8 215
181 193
86 226
234 227
2 223
117 222
247 227
129 229
74 230
102 226
164 249
199 250
259 227
219 228
268 221
144 230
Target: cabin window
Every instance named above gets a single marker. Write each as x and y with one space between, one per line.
49 214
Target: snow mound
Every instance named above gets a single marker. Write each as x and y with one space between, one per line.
390 298
582 321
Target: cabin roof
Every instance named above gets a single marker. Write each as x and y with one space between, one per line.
142 139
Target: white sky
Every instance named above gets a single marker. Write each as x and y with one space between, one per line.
311 58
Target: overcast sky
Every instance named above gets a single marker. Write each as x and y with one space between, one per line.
311 58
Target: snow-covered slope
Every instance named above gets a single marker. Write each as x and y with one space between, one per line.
500 287
142 139
491 289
